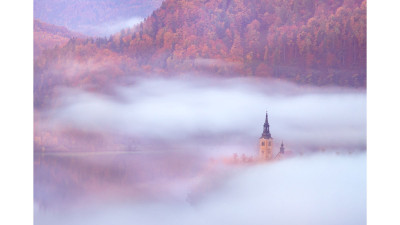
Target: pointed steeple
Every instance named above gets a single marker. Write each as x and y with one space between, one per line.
282 149
266 133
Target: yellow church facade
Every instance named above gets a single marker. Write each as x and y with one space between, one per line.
266 143
266 146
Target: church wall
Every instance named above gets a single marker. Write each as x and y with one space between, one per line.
266 148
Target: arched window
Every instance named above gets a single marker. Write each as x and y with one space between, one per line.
269 143
262 143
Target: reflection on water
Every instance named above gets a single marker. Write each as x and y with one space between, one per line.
62 179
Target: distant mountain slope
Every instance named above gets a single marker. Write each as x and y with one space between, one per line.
91 16
47 36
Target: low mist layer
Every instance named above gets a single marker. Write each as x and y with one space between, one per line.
110 27
202 112
321 189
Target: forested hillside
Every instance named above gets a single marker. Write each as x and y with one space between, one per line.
309 41
48 36
318 42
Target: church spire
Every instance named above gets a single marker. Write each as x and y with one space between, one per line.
266 133
282 149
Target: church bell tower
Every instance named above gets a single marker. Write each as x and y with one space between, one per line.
266 142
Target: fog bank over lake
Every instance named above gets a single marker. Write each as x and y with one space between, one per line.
201 111
324 189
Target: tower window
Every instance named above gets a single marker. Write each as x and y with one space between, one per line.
269 143
262 143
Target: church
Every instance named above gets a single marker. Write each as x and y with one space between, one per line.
266 144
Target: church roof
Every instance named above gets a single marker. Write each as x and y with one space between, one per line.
266 134
279 156
287 154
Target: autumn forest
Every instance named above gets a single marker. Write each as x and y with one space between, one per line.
316 42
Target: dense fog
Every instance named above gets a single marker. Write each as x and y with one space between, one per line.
159 151
324 189
203 111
